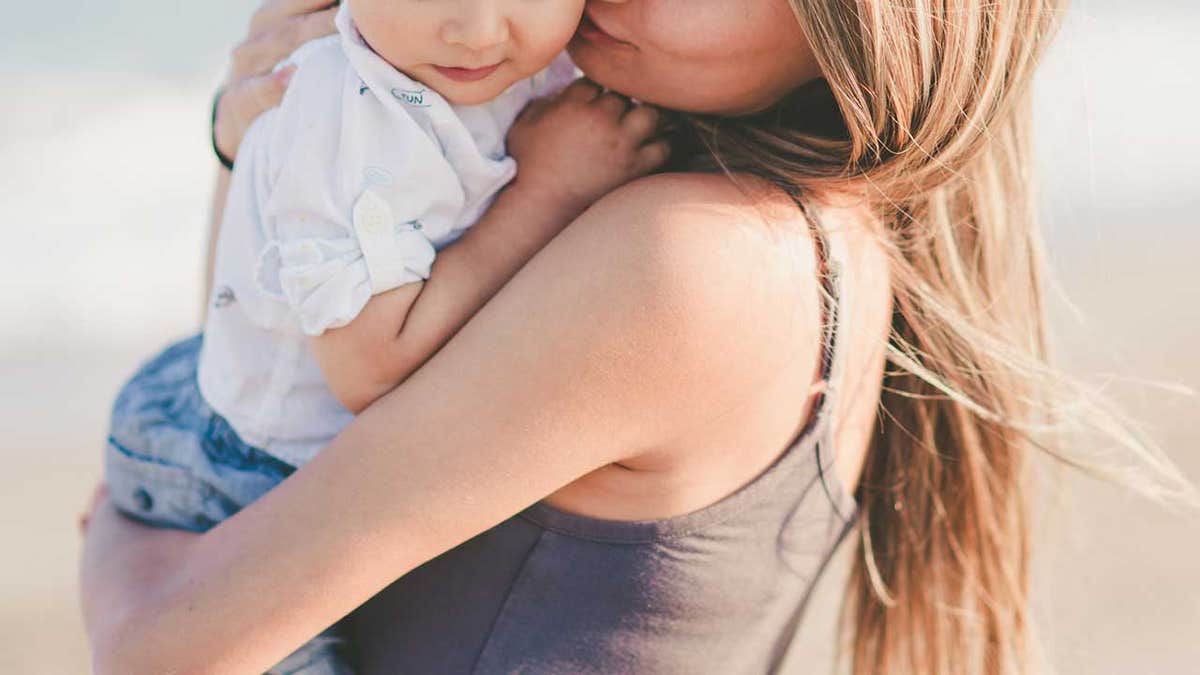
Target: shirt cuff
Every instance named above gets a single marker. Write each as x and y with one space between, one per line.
394 252
323 281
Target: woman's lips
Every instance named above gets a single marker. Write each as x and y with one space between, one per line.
592 32
467 74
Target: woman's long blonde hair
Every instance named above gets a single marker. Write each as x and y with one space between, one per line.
925 108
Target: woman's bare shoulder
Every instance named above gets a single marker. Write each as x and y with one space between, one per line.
740 264
694 218
710 196
727 274
721 259
736 228
735 240
729 271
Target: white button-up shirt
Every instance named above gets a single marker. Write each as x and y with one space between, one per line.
344 191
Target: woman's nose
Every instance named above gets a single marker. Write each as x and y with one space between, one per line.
480 27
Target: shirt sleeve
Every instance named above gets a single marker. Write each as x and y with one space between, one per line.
327 280
360 199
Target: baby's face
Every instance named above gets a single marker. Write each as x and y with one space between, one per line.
469 51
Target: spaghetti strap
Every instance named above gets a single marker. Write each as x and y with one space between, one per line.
830 271
833 297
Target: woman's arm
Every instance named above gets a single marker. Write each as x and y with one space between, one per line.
639 322
598 146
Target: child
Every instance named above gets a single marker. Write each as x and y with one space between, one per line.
387 147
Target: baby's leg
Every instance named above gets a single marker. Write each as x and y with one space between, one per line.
172 461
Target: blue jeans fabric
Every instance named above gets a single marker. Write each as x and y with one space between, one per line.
171 461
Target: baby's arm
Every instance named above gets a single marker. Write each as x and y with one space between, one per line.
588 144
399 329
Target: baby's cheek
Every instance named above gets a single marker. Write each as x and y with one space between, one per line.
549 31
402 47
543 40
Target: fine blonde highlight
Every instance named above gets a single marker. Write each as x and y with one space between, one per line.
924 109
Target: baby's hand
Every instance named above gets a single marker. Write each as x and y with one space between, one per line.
583 143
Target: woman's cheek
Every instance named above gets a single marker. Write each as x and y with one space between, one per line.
702 29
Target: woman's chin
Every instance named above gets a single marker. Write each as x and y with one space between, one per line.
599 67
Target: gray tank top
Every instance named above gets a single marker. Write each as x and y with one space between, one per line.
718 590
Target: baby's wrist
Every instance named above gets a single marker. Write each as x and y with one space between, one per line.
552 202
522 220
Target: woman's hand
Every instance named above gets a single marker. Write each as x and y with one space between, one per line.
123 562
276 30
576 147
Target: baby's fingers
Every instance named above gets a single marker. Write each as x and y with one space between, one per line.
613 104
533 111
642 121
652 156
582 90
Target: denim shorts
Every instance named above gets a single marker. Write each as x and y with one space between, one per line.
171 461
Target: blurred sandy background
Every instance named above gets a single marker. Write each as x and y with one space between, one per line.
104 180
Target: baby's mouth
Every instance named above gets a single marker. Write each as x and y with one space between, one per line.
468 74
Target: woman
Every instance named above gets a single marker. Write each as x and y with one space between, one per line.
667 409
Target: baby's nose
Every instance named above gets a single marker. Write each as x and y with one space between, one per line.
480 27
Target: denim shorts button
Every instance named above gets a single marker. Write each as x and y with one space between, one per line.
144 501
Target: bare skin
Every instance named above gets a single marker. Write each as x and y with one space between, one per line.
656 355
